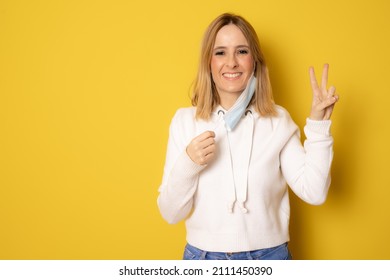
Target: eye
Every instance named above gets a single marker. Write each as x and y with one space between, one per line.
219 53
243 51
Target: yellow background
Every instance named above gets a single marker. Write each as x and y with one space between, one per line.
87 91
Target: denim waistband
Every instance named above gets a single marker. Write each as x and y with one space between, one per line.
277 252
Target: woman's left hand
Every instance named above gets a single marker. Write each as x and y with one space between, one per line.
323 99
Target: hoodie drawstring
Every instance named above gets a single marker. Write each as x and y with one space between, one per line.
238 188
242 184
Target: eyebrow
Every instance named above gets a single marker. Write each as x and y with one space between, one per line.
223 47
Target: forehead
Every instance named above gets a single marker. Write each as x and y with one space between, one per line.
230 35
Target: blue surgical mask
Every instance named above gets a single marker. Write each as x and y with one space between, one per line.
234 114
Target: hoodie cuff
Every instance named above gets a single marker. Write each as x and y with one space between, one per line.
185 167
318 127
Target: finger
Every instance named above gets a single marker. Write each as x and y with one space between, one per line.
313 80
324 81
328 102
208 158
209 150
331 91
207 142
329 112
207 134
206 155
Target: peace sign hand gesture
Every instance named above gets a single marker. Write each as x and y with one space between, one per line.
323 99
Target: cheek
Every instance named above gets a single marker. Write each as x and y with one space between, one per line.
248 62
215 65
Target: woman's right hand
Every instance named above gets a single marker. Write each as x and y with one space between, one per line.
201 149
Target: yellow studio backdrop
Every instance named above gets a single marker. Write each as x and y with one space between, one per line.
87 92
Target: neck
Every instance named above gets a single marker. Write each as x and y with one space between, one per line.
227 101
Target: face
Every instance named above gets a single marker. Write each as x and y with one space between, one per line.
231 63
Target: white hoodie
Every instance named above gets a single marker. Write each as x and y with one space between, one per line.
239 201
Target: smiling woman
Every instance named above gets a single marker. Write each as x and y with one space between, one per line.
205 95
229 182
232 64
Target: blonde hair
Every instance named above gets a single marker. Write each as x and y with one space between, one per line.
205 96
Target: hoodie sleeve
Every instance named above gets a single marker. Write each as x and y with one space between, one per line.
181 174
307 168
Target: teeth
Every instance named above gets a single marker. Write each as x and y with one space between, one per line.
228 75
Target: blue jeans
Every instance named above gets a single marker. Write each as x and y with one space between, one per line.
280 252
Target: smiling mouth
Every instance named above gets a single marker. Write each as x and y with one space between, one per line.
231 75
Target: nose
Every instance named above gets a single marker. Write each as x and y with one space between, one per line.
232 61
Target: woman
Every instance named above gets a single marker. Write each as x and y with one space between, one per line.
231 156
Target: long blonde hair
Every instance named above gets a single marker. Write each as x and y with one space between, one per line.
205 96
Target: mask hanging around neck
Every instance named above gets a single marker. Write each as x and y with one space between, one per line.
234 114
